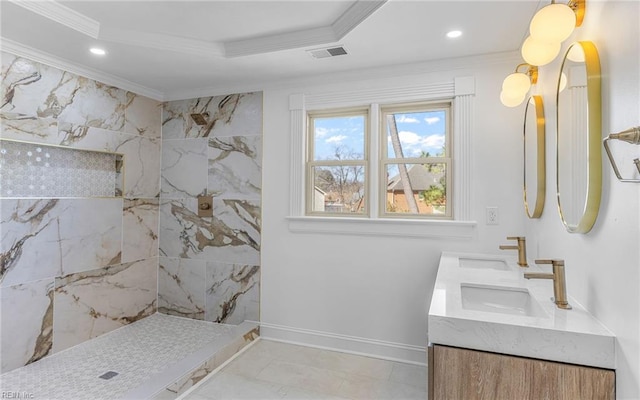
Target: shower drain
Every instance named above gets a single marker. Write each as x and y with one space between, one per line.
108 375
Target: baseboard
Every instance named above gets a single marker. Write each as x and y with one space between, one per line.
345 344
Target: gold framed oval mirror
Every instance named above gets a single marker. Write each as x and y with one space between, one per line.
578 137
534 157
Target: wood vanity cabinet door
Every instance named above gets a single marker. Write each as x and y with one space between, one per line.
476 375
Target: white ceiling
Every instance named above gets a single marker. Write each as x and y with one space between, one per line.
169 49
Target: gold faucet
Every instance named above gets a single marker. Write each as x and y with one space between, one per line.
521 247
559 281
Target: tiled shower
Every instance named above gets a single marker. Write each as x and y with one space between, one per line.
123 240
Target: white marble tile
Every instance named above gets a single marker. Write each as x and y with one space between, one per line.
28 128
236 228
48 238
232 293
141 166
26 325
140 229
90 303
181 287
184 168
143 116
230 115
30 244
235 167
231 235
34 89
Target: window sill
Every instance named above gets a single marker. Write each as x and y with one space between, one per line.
384 227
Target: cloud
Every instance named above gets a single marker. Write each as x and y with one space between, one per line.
432 120
413 144
321 132
408 137
336 139
403 118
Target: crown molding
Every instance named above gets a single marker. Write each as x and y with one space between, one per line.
354 16
21 50
161 41
282 41
63 15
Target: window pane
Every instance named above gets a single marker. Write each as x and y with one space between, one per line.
338 189
417 189
338 138
416 134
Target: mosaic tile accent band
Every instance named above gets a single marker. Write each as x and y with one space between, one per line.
35 170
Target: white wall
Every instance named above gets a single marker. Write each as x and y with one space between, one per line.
371 294
603 266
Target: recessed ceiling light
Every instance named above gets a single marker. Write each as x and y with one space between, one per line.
454 34
97 51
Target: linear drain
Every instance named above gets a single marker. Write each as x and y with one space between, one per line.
108 375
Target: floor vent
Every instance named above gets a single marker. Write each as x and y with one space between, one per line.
328 52
108 375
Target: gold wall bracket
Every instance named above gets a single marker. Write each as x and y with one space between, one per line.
205 206
631 136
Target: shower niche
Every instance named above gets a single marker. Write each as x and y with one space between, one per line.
33 170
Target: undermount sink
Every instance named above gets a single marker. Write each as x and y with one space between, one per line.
483 263
498 299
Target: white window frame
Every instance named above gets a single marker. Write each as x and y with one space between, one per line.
460 91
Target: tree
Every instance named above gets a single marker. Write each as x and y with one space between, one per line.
343 183
436 195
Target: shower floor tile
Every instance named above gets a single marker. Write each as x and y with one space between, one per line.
148 356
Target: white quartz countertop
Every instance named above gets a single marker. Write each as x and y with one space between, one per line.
571 336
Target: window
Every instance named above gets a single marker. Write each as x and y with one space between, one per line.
416 160
337 162
409 170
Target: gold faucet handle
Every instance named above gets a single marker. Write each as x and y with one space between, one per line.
515 237
552 262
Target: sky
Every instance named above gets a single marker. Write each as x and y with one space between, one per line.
418 131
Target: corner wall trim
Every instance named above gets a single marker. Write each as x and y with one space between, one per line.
346 344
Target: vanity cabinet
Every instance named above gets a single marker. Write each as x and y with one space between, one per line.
456 373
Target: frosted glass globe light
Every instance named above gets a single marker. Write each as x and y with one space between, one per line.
536 52
553 23
511 100
516 83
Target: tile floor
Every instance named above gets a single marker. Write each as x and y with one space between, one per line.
273 370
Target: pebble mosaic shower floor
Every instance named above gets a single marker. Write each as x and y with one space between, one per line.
154 357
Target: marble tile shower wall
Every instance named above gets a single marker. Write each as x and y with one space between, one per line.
74 268
210 267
